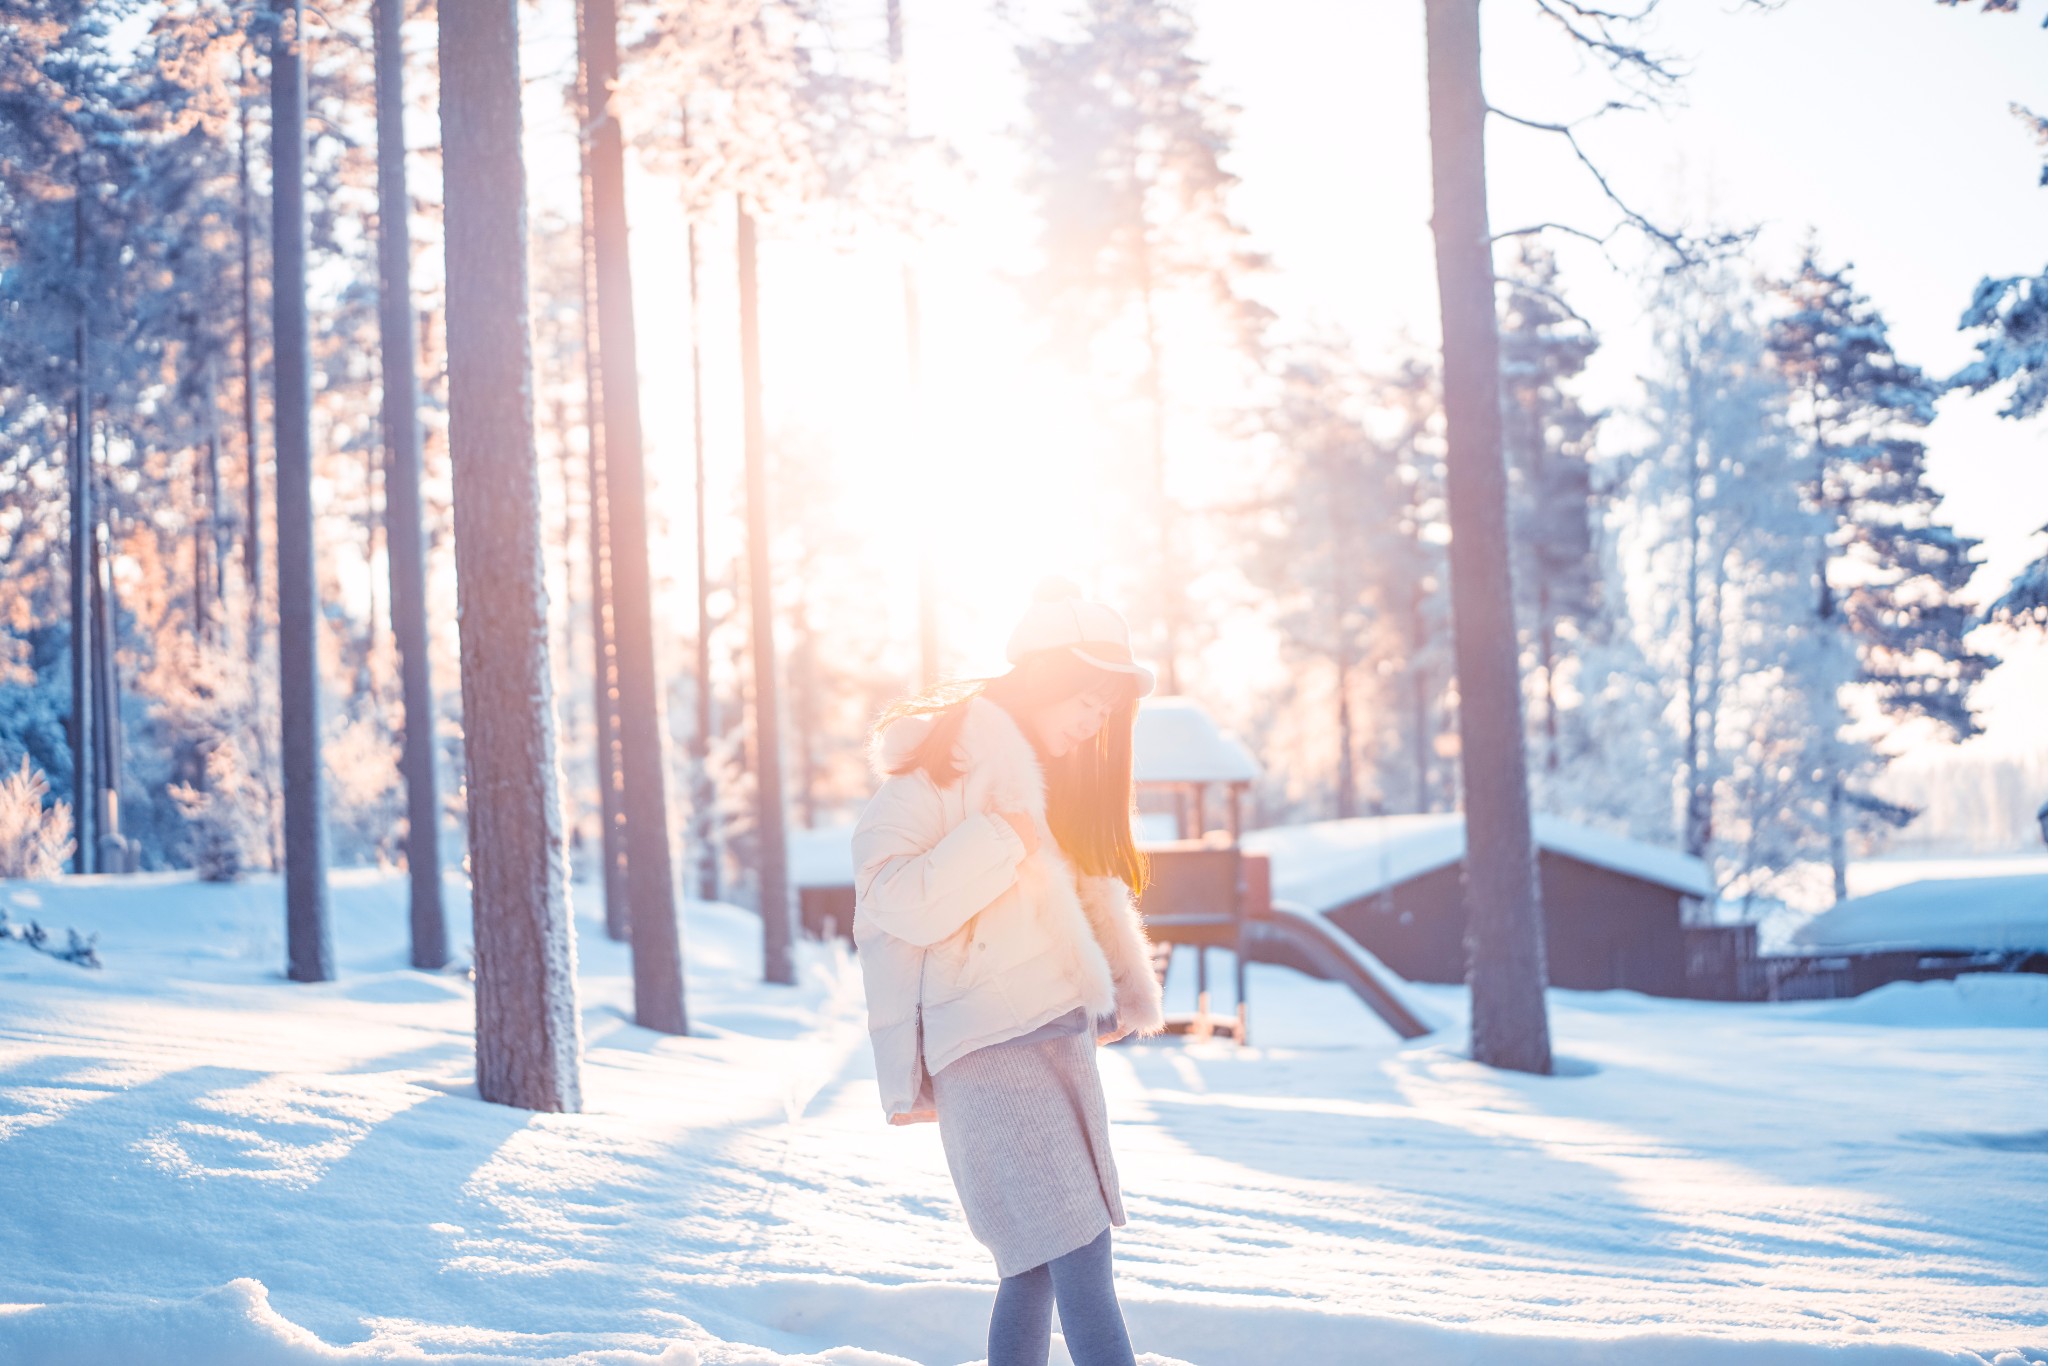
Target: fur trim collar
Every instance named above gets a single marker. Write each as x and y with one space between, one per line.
990 741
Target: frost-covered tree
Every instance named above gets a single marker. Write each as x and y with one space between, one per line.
1548 438
774 118
35 834
1418 725
1888 573
1720 538
1326 529
1141 254
2011 316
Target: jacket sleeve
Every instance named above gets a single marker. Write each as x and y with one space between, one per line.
918 889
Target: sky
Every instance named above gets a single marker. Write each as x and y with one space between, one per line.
1881 126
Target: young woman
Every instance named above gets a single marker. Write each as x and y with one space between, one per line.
994 880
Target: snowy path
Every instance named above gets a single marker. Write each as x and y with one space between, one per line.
207 1164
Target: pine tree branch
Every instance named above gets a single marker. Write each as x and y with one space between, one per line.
1549 294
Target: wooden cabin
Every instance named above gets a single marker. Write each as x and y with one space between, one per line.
1617 912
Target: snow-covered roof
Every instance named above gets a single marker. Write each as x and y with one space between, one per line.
1177 741
1966 913
1327 864
821 857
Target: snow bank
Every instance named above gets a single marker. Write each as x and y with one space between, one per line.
1964 913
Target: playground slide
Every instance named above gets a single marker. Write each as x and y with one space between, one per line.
1294 938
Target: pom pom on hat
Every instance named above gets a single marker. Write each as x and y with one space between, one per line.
1054 588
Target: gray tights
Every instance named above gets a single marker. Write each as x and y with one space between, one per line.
1020 1329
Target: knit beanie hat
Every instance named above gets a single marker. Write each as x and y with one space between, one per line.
1094 631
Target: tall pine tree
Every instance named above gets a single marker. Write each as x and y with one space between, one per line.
1887 572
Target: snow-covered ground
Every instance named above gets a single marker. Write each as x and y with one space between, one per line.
204 1163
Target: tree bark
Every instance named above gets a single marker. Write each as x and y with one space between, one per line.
85 844
643 756
1504 941
704 794
778 919
527 1030
309 947
618 905
252 534
404 521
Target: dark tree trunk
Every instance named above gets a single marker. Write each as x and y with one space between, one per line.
1506 970
778 921
643 755
106 706
527 1031
604 656
704 796
202 532
83 790
404 521
309 947
252 542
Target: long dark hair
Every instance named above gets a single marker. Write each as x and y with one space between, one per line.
1090 802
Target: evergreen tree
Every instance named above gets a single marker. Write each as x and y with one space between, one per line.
405 533
1323 538
309 945
1887 573
1418 726
1507 972
2012 316
650 878
1548 438
786 133
1721 598
528 1034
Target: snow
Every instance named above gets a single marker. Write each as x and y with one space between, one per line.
1175 741
1967 913
822 857
208 1164
1325 864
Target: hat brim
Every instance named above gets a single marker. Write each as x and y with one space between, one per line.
1138 671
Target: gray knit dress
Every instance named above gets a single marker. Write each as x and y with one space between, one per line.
1026 1133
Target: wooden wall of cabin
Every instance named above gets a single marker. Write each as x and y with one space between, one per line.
1601 928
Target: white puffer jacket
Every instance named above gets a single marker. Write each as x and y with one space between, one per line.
964 941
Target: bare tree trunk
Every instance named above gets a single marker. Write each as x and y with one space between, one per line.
202 532
1504 942
1699 792
309 946
618 903
106 707
703 795
643 753
107 781
527 1032
404 519
84 829
778 918
252 535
